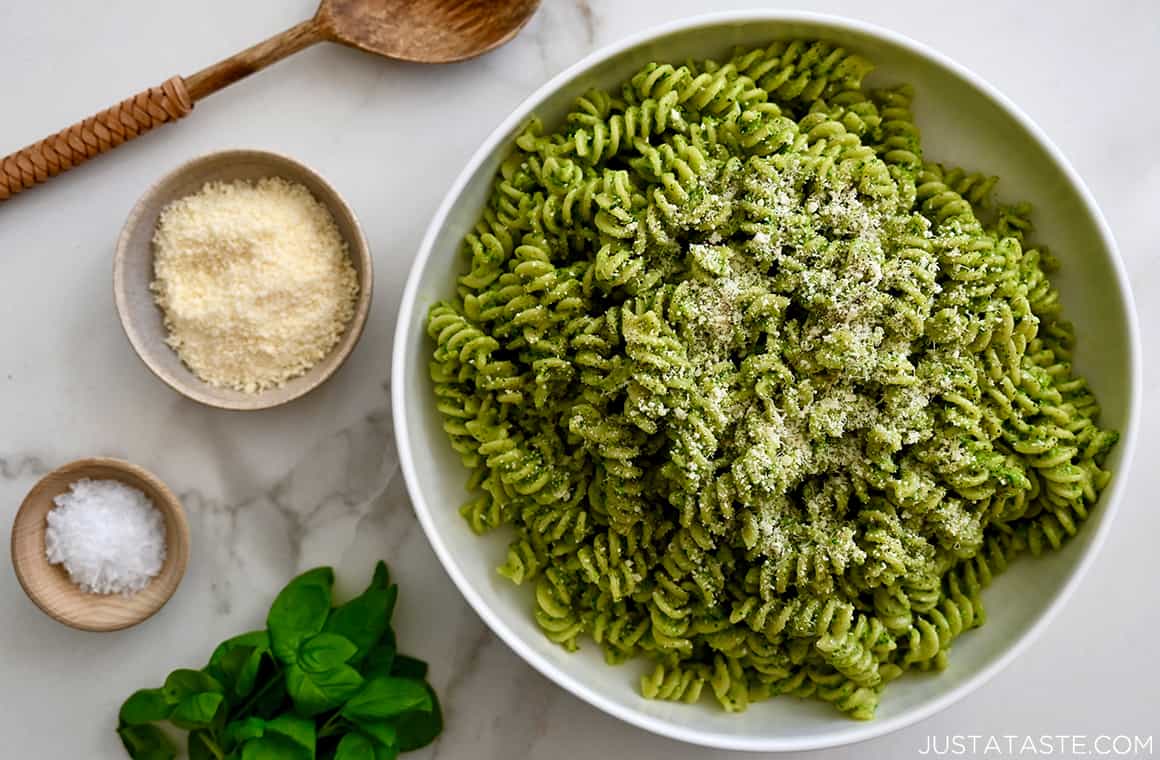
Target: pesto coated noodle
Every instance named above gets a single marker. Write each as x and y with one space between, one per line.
766 397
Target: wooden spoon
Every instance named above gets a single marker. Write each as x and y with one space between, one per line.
422 31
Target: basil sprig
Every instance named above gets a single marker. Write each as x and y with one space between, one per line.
319 683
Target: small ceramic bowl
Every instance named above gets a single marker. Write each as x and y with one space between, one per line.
49 585
133 272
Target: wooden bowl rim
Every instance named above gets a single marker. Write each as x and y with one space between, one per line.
194 388
172 570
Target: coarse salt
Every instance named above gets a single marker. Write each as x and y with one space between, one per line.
108 535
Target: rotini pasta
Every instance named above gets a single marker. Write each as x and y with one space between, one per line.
764 395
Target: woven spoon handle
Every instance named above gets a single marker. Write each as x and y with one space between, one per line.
89 138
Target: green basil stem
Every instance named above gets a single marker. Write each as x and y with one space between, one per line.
244 711
212 746
330 725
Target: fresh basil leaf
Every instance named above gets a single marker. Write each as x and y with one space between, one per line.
381 658
299 611
238 670
419 728
255 639
146 706
225 669
325 651
274 747
146 743
355 747
295 728
201 746
408 667
366 618
184 682
235 662
247 677
387 697
382 731
322 577
197 710
381 577
317 692
240 731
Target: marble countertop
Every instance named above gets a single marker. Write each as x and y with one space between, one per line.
317 482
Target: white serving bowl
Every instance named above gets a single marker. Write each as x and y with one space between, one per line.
965 122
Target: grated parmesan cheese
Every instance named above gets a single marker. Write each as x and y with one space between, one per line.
254 280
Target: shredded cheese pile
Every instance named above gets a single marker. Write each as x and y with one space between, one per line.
254 280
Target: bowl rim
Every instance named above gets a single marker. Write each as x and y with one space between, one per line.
1109 501
357 249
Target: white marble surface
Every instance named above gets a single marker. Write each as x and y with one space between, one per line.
317 483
